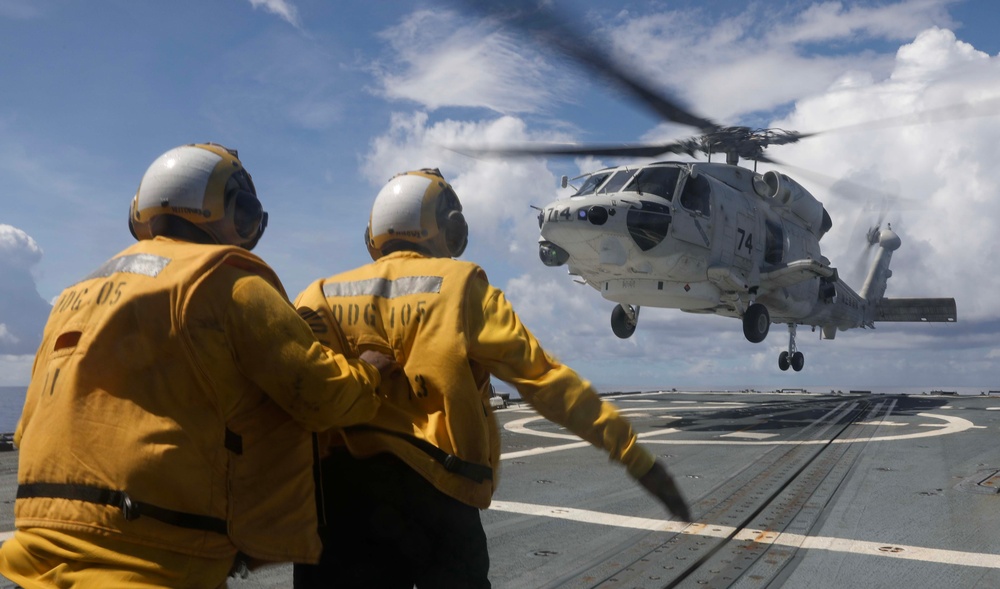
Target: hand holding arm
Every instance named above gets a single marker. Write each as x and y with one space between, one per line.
385 364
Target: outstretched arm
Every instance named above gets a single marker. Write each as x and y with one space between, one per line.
510 352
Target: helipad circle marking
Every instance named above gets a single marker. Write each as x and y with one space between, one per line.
952 425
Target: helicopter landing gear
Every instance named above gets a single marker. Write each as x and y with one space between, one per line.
756 323
624 319
792 358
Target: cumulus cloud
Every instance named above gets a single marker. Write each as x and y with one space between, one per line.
283 8
17 249
22 310
440 60
941 168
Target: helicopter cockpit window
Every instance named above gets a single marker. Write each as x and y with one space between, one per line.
658 180
591 184
617 181
648 225
696 194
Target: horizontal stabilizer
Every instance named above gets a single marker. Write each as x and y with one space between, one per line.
930 310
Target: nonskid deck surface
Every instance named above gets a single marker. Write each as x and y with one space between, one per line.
786 491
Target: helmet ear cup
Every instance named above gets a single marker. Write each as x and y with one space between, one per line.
139 231
248 214
456 233
370 244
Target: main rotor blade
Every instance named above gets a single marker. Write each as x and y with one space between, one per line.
955 112
558 35
560 149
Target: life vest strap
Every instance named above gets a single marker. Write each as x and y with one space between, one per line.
470 470
130 508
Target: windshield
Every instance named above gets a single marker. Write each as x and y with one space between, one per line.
658 180
593 181
618 180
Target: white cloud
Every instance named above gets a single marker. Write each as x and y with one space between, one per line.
18 250
828 21
440 60
943 167
22 310
283 8
6 337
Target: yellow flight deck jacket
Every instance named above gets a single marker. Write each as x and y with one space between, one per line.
450 330
178 379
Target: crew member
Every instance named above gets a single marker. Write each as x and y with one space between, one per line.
165 436
403 492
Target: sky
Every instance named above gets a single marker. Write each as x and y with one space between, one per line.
326 101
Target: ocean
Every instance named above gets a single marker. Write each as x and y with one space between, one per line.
11 403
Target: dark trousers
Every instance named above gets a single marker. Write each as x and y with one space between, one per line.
388 528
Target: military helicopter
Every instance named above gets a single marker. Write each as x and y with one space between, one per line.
716 238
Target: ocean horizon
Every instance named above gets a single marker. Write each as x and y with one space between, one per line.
11 404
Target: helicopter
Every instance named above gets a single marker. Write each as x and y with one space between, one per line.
703 237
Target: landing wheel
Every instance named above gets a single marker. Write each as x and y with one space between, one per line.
756 322
621 323
783 361
797 361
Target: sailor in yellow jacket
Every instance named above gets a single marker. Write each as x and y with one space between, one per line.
165 435
403 491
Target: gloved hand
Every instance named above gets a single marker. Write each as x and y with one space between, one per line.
658 482
385 364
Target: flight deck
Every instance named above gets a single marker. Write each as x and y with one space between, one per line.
786 490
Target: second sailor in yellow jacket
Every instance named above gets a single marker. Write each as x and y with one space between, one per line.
430 458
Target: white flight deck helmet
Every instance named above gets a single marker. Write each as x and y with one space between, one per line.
418 209
204 185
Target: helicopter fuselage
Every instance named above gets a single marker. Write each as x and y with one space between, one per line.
692 236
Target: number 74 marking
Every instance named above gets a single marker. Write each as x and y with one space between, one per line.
746 241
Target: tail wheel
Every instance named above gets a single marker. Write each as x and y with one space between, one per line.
621 324
797 361
756 323
783 361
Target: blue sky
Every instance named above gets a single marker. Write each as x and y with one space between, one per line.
325 101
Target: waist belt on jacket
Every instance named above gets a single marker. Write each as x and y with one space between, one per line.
130 508
470 470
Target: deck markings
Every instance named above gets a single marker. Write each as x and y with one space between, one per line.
750 435
950 425
827 543
574 445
